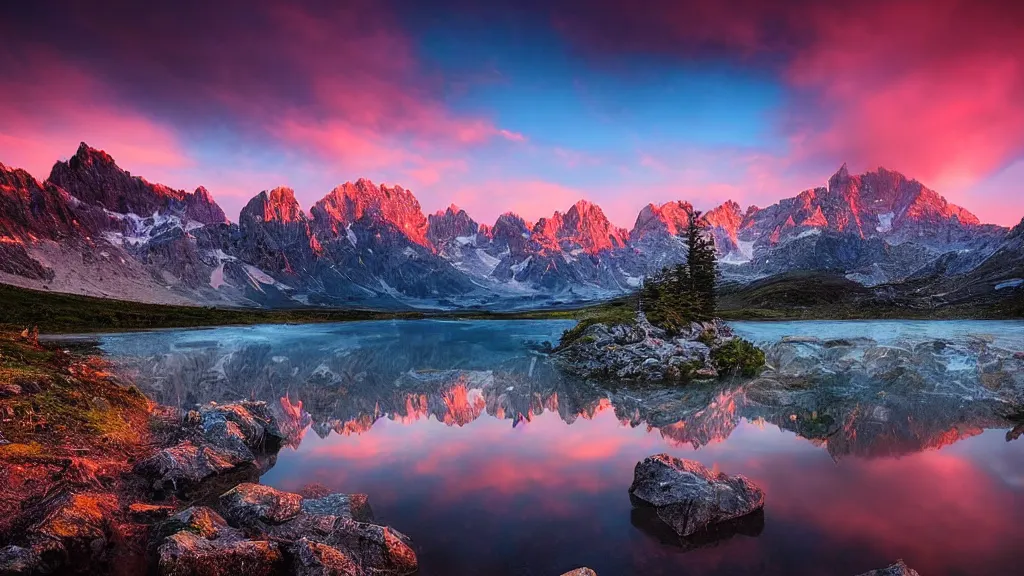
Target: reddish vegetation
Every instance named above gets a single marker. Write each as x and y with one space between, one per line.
70 426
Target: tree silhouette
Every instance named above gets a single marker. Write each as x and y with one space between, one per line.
675 297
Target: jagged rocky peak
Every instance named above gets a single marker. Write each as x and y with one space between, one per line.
725 222
277 205
670 218
366 202
31 208
1017 231
586 225
13 180
726 216
510 230
840 177
447 225
93 177
877 204
200 207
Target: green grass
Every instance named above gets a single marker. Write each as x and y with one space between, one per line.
826 296
805 295
55 312
619 311
58 312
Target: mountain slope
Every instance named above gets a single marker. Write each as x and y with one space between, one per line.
94 228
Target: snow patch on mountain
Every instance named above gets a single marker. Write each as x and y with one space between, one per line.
885 222
1011 283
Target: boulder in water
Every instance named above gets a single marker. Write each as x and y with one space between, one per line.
689 497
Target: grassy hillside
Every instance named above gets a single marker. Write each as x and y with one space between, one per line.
815 295
58 312
787 296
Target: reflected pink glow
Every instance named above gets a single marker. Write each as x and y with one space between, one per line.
910 507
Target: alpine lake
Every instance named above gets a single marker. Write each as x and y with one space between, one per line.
889 439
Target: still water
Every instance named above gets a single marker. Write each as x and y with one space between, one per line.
473 444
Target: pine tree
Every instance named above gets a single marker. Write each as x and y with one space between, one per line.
675 297
701 265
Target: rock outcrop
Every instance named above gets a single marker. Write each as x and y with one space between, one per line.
642 351
270 531
690 498
206 544
220 440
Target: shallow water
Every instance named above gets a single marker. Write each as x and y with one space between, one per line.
495 463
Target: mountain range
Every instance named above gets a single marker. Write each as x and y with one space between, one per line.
93 228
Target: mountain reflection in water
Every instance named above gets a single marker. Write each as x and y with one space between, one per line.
494 462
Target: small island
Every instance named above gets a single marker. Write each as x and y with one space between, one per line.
672 332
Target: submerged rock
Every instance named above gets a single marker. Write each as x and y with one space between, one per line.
646 519
974 368
689 497
897 569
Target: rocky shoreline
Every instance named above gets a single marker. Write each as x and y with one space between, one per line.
203 513
644 352
94 478
182 496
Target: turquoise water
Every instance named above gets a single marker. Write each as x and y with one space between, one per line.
469 441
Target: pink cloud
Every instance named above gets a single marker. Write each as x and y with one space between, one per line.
929 88
531 199
41 122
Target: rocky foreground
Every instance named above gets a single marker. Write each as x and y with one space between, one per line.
641 351
249 527
96 479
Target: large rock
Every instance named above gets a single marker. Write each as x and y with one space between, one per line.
199 541
15 560
187 464
315 559
270 530
644 352
339 521
689 497
221 440
246 504
897 569
380 550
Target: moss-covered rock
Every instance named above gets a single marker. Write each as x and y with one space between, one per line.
738 356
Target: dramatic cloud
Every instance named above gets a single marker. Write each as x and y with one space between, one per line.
931 88
39 116
553 99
